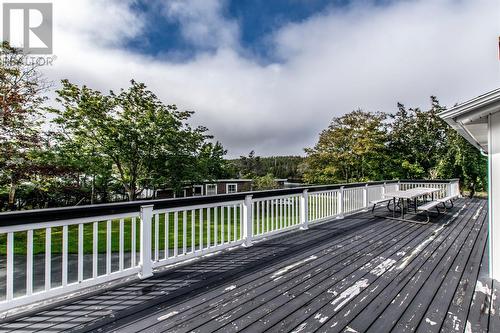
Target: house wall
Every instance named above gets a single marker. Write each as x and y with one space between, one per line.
494 194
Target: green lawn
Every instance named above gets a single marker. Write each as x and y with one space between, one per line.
226 229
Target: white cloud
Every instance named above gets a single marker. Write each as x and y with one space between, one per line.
361 56
202 22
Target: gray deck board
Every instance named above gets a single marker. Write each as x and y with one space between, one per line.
357 274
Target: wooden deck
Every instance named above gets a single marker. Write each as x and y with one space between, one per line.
358 274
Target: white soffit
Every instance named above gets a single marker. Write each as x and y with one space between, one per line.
470 119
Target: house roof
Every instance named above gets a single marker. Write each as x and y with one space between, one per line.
470 118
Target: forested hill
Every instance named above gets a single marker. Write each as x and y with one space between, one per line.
251 166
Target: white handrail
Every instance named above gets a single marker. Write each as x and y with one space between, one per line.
166 236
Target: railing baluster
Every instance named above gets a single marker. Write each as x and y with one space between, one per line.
216 226
95 235
222 229
193 231
29 263
10 267
157 237
257 207
262 216
80 252
48 257
229 224
184 232
201 228
281 213
108 247
267 215
64 255
176 234
133 251
272 215
235 219
209 227
167 235
121 264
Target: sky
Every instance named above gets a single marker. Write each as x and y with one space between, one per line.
270 75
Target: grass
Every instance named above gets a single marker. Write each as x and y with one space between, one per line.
267 218
208 230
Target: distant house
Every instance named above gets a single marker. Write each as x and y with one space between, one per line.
213 187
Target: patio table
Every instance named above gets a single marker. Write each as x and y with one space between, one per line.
404 197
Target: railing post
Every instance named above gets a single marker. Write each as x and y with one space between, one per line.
449 189
247 221
456 187
398 186
383 190
304 210
365 196
341 203
146 269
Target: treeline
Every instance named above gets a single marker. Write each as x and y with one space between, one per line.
92 147
281 167
409 144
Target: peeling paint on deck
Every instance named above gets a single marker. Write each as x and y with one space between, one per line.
428 321
349 293
420 247
168 315
382 267
299 328
292 266
320 318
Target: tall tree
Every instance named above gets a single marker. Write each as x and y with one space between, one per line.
462 160
147 142
352 148
417 141
22 88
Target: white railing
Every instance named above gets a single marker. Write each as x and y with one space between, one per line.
48 253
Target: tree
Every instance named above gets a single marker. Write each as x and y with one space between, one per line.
251 166
21 96
352 148
266 182
147 142
464 161
417 141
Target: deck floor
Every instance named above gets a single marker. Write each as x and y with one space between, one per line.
358 274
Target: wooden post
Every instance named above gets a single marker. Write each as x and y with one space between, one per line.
146 269
304 211
247 221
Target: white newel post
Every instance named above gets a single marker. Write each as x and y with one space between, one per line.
383 190
247 221
365 196
145 246
456 187
449 189
341 202
304 211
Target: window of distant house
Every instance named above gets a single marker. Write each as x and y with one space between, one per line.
231 188
211 189
198 190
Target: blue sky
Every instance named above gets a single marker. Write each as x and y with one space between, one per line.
270 75
257 20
